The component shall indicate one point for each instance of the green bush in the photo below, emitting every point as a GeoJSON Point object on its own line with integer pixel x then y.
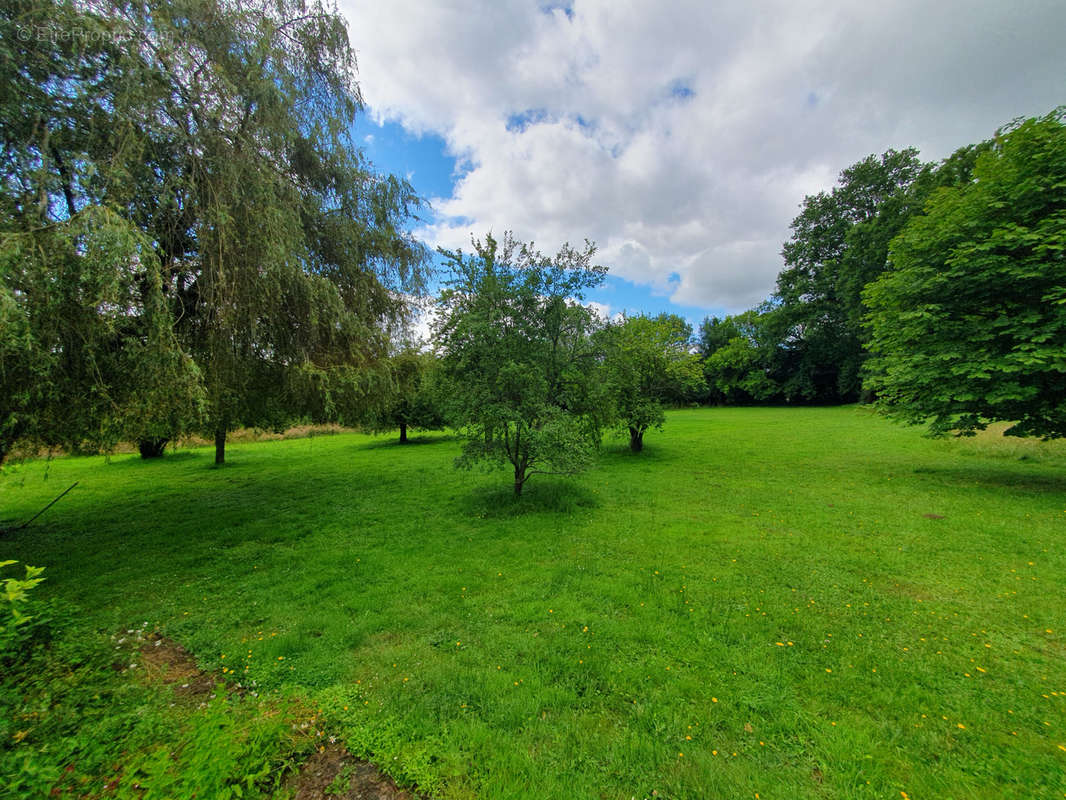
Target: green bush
{"type": "Point", "coordinates": [17, 622]}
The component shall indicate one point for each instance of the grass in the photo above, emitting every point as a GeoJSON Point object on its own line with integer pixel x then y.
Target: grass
{"type": "Point", "coordinates": [788, 603]}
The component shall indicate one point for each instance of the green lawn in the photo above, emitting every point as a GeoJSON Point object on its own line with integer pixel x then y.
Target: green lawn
{"type": "Point", "coordinates": [782, 603]}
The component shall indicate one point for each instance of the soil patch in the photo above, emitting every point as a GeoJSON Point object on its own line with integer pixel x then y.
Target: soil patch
{"type": "Point", "coordinates": [335, 774]}
{"type": "Point", "coordinates": [165, 661]}
{"type": "Point", "coordinates": [332, 773]}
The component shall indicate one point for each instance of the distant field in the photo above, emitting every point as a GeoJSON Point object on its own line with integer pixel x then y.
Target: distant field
{"type": "Point", "coordinates": [781, 603]}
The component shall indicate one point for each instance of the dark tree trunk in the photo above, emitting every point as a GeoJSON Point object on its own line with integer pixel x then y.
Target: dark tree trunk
{"type": "Point", "coordinates": [220, 446]}
{"type": "Point", "coordinates": [68, 192]}
{"type": "Point", "coordinates": [152, 448]}
{"type": "Point", "coordinates": [403, 433]}
{"type": "Point", "coordinates": [519, 480]}
{"type": "Point", "coordinates": [636, 440]}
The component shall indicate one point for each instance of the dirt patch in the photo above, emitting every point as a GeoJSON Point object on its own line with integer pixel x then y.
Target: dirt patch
{"type": "Point", "coordinates": [165, 661]}
{"type": "Point", "coordinates": [335, 774]}
{"type": "Point", "coordinates": [330, 774]}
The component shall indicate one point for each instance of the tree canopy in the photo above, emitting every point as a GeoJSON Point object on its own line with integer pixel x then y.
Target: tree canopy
{"type": "Point", "coordinates": [416, 401]}
{"type": "Point", "coordinates": [647, 364]}
{"type": "Point", "coordinates": [839, 244]}
{"type": "Point", "coordinates": [807, 343]}
{"type": "Point", "coordinates": [185, 178]}
{"type": "Point", "coordinates": [968, 326]}
{"type": "Point", "coordinates": [516, 350]}
{"type": "Point", "coordinates": [744, 359]}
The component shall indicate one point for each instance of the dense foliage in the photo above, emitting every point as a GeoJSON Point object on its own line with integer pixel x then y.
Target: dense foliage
{"type": "Point", "coordinates": [517, 354]}
{"type": "Point", "coordinates": [839, 243]}
{"type": "Point", "coordinates": [807, 343]}
{"type": "Point", "coordinates": [969, 324]}
{"type": "Point", "coordinates": [646, 366]}
{"type": "Point", "coordinates": [417, 400]}
{"type": "Point", "coordinates": [188, 235]}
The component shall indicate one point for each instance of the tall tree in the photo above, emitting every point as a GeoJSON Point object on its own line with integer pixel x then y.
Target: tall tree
{"type": "Point", "coordinates": [223, 137]}
{"type": "Point", "coordinates": [516, 350]}
{"type": "Point", "coordinates": [839, 244]}
{"type": "Point", "coordinates": [714, 334]}
{"type": "Point", "coordinates": [968, 326]}
{"type": "Point", "coordinates": [751, 364]}
{"type": "Point", "coordinates": [298, 248]}
{"type": "Point", "coordinates": [88, 351]}
{"type": "Point", "coordinates": [417, 400]}
{"type": "Point", "coordinates": [647, 363]}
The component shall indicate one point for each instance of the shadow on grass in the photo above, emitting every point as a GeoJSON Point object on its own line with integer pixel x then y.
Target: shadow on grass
{"type": "Point", "coordinates": [618, 453]}
{"type": "Point", "coordinates": [412, 441]}
{"type": "Point", "coordinates": [538, 497]}
{"type": "Point", "coordinates": [128, 460]}
{"type": "Point", "coordinates": [996, 477]}
{"type": "Point", "coordinates": [203, 511]}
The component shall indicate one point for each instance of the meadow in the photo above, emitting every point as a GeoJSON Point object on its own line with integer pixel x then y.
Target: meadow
{"type": "Point", "coordinates": [765, 603]}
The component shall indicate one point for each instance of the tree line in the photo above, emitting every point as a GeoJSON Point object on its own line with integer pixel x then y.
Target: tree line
{"type": "Point", "coordinates": [934, 289]}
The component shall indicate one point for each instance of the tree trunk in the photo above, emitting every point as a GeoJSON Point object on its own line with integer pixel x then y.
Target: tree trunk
{"type": "Point", "coordinates": [220, 446]}
{"type": "Point", "coordinates": [403, 433]}
{"type": "Point", "coordinates": [519, 479]}
{"type": "Point", "coordinates": [636, 440]}
{"type": "Point", "coordinates": [152, 448]}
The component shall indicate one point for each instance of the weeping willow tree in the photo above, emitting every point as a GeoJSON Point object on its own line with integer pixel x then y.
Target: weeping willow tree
{"type": "Point", "coordinates": [88, 352]}
{"type": "Point", "coordinates": [266, 260]}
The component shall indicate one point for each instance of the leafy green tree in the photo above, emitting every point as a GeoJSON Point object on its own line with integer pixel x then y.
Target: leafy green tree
{"type": "Point", "coordinates": [746, 368]}
{"type": "Point", "coordinates": [714, 334]}
{"type": "Point", "coordinates": [417, 401]}
{"type": "Point", "coordinates": [220, 135]}
{"type": "Point", "coordinates": [839, 244]}
{"type": "Point", "coordinates": [89, 356]}
{"type": "Point", "coordinates": [87, 351]}
{"type": "Point", "coordinates": [647, 364]}
{"type": "Point", "coordinates": [297, 249]}
{"type": "Point", "coordinates": [968, 325]}
{"type": "Point", "coordinates": [518, 357]}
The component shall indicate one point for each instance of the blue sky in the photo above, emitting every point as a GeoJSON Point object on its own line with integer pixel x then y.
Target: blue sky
{"type": "Point", "coordinates": [681, 137]}
{"type": "Point", "coordinates": [422, 159]}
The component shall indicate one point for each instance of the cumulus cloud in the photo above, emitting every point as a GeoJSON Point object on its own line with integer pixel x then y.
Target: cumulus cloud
{"type": "Point", "coordinates": [602, 311]}
{"type": "Point", "coordinates": [682, 137]}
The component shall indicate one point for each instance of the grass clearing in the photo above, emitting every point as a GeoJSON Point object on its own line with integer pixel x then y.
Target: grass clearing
{"type": "Point", "coordinates": [790, 602]}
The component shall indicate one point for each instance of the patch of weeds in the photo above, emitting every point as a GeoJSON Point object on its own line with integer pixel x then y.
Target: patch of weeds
{"type": "Point", "coordinates": [77, 719]}
{"type": "Point", "coordinates": [230, 747]}
{"type": "Point", "coordinates": [340, 784]}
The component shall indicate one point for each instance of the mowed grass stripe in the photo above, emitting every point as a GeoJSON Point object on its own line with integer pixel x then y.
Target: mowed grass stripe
{"type": "Point", "coordinates": [794, 602]}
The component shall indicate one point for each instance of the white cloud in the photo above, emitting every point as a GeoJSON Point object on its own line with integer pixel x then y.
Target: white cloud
{"type": "Point", "coordinates": [682, 137]}
{"type": "Point", "coordinates": [601, 310]}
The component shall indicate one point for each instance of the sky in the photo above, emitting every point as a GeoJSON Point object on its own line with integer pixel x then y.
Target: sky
{"type": "Point", "coordinates": [680, 137]}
